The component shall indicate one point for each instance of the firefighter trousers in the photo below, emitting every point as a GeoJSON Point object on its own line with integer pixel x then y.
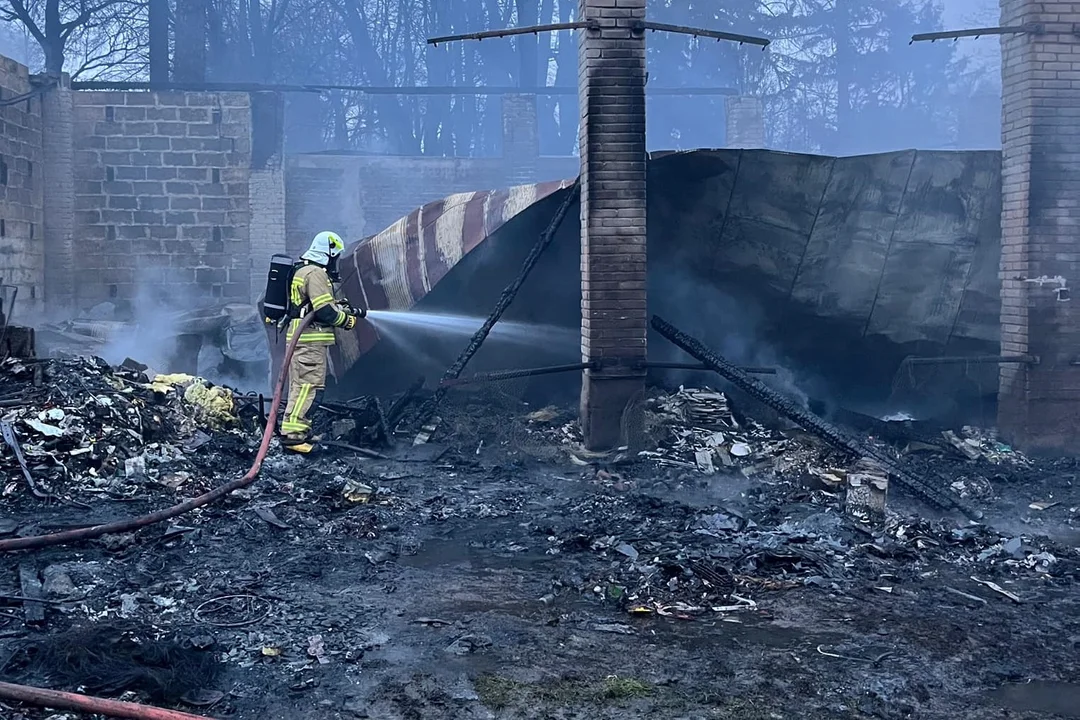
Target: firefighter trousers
{"type": "Point", "coordinates": [307, 376]}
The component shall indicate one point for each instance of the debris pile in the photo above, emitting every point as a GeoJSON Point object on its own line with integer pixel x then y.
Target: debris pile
{"type": "Point", "coordinates": [76, 426]}
{"type": "Point", "coordinates": [696, 428]}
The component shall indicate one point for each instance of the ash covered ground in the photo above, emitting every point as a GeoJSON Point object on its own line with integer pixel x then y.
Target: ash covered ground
{"type": "Point", "coordinates": [499, 571]}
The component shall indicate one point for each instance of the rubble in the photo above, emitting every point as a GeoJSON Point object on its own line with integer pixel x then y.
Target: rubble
{"type": "Point", "coordinates": [374, 564]}
{"type": "Point", "coordinates": [87, 428]}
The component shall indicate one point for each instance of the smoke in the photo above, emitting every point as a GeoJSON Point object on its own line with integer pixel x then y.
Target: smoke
{"type": "Point", "coordinates": [152, 336]}
{"type": "Point", "coordinates": [163, 326]}
{"type": "Point", "coordinates": [735, 327]}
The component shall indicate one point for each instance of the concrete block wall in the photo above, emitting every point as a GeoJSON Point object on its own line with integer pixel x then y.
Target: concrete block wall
{"type": "Point", "coordinates": [614, 316]}
{"type": "Point", "coordinates": [1039, 405]}
{"type": "Point", "coordinates": [21, 192]}
{"type": "Point", "coordinates": [745, 122]}
{"type": "Point", "coordinates": [360, 195]}
{"type": "Point", "coordinates": [162, 195]}
{"type": "Point", "coordinates": [521, 139]}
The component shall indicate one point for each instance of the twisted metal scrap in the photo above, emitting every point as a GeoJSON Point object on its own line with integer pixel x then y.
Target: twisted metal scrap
{"type": "Point", "coordinates": [834, 436]}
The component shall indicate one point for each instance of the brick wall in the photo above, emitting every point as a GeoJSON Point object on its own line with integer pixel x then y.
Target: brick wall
{"type": "Point", "coordinates": [21, 217]}
{"type": "Point", "coordinates": [162, 194]}
{"type": "Point", "coordinates": [1039, 406]}
{"type": "Point", "coordinates": [745, 122]}
{"type": "Point", "coordinates": [612, 146]}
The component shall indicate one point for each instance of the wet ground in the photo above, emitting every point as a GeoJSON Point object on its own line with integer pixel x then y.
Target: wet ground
{"type": "Point", "coordinates": [486, 584]}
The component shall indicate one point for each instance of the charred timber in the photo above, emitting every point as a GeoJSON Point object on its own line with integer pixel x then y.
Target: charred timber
{"type": "Point", "coordinates": [809, 421]}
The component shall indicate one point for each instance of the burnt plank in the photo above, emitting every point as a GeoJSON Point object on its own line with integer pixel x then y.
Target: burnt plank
{"type": "Point", "coordinates": [33, 612]}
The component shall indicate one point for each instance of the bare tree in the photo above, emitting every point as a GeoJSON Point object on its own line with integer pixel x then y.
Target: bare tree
{"type": "Point", "coordinates": [56, 23]}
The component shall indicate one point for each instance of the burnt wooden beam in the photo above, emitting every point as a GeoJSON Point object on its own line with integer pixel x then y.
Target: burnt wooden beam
{"type": "Point", "coordinates": [30, 587]}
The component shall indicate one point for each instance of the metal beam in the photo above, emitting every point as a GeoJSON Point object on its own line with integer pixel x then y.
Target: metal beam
{"type": "Point", "coordinates": [639, 26]}
{"type": "Point", "coordinates": [701, 32]}
{"type": "Point", "coordinates": [1030, 28]}
{"type": "Point", "coordinates": [548, 90]}
{"type": "Point", "coordinates": [508, 32]}
{"type": "Point", "coordinates": [972, 360]}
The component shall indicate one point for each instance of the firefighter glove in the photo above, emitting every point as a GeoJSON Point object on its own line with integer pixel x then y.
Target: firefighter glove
{"type": "Point", "coordinates": [350, 322]}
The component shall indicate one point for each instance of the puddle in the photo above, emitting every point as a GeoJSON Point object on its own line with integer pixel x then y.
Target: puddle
{"type": "Point", "coordinates": [472, 555]}
{"type": "Point", "coordinates": [1053, 698]}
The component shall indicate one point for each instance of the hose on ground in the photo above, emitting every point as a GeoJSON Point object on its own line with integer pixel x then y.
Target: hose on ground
{"type": "Point", "coordinates": [129, 524]}
{"type": "Point", "coordinates": [84, 703]}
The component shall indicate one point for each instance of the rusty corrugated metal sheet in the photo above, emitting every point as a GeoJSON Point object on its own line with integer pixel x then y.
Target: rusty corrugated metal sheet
{"type": "Point", "coordinates": [395, 268]}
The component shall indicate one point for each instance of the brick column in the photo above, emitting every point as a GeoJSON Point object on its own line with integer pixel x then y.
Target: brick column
{"type": "Point", "coordinates": [611, 82]}
{"type": "Point", "coordinates": [521, 143]}
{"type": "Point", "coordinates": [57, 135]}
{"type": "Point", "coordinates": [1039, 406]}
{"type": "Point", "coordinates": [745, 122]}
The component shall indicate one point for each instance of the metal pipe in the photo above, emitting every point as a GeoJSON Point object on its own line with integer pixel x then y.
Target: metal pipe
{"type": "Point", "coordinates": [1032, 28]}
{"type": "Point", "coordinates": [512, 374]}
{"type": "Point", "coordinates": [553, 369]}
{"type": "Point", "coordinates": [751, 370]}
{"type": "Point", "coordinates": [545, 90]}
{"type": "Point", "coordinates": [972, 360]}
{"type": "Point", "coordinates": [508, 32]}
{"type": "Point", "coordinates": [704, 32]}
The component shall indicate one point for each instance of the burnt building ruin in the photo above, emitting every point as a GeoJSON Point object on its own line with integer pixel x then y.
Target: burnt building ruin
{"type": "Point", "coordinates": [97, 186]}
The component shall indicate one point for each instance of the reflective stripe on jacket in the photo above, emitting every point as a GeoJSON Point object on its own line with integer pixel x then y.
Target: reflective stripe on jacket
{"type": "Point", "coordinates": [311, 291]}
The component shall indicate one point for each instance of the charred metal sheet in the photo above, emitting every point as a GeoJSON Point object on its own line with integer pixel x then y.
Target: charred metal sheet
{"type": "Point", "coordinates": [397, 267]}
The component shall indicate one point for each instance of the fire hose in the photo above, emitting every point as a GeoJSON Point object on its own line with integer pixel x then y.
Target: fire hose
{"type": "Point", "coordinates": [84, 703]}
{"type": "Point", "coordinates": [120, 526]}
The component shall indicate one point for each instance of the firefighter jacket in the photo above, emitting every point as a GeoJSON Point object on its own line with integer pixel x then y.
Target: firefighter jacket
{"type": "Point", "coordinates": [311, 291]}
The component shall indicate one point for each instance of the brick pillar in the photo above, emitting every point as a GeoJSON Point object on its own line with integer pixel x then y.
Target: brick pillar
{"type": "Point", "coordinates": [521, 143]}
{"type": "Point", "coordinates": [745, 122]}
{"type": "Point", "coordinates": [1039, 406]}
{"type": "Point", "coordinates": [57, 135]}
{"type": "Point", "coordinates": [611, 82]}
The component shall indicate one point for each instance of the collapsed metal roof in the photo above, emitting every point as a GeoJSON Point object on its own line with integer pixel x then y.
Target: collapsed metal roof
{"type": "Point", "coordinates": [899, 245]}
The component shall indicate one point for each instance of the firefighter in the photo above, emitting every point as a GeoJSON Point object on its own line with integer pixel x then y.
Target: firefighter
{"type": "Point", "coordinates": [311, 290]}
